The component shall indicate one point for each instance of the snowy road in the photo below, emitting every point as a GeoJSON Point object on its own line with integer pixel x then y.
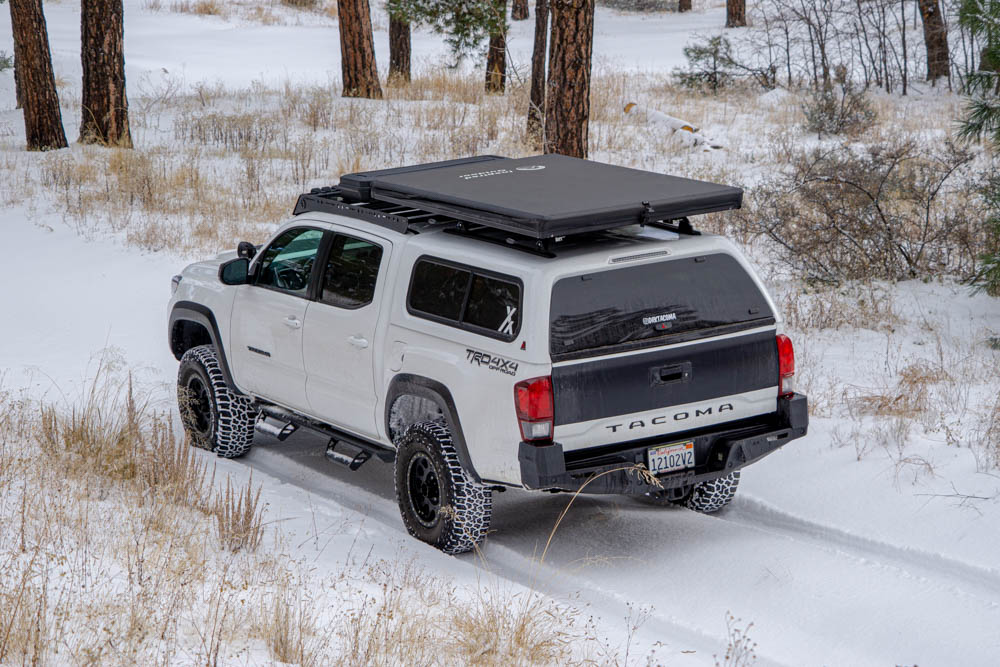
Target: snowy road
{"type": "Point", "coordinates": [817, 595]}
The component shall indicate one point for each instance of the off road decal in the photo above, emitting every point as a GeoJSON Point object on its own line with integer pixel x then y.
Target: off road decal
{"type": "Point", "coordinates": [492, 362]}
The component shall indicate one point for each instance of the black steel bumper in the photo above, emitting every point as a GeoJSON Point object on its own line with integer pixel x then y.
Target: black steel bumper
{"type": "Point", "coordinates": [719, 451]}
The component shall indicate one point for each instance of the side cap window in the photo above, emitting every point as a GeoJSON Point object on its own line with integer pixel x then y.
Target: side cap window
{"type": "Point", "coordinates": [466, 298]}
{"type": "Point", "coordinates": [287, 263]}
{"type": "Point", "coordinates": [351, 272]}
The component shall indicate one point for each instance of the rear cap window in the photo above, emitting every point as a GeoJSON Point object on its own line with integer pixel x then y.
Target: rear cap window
{"type": "Point", "coordinates": [653, 304]}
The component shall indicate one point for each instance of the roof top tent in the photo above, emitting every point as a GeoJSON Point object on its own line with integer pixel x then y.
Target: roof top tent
{"type": "Point", "coordinates": [541, 198]}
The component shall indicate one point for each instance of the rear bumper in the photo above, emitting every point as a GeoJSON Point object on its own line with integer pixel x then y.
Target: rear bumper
{"type": "Point", "coordinates": [718, 451]}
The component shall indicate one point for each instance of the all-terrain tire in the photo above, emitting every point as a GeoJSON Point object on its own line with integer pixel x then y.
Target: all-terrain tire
{"type": "Point", "coordinates": [215, 417]}
{"type": "Point", "coordinates": [439, 502]}
{"type": "Point", "coordinates": [713, 495]}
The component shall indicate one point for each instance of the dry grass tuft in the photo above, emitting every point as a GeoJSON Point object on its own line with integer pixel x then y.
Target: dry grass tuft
{"type": "Point", "coordinates": [497, 628]}
{"type": "Point", "coordinates": [113, 434]}
{"type": "Point", "coordinates": [289, 624]}
{"type": "Point", "coordinates": [239, 517]}
{"type": "Point", "coordinates": [857, 305]}
{"type": "Point", "coordinates": [198, 7]}
{"type": "Point", "coordinates": [741, 651]}
{"type": "Point", "coordinates": [908, 397]}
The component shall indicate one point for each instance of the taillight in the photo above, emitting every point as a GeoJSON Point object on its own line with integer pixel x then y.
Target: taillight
{"type": "Point", "coordinates": [533, 403]}
{"type": "Point", "coordinates": [786, 366]}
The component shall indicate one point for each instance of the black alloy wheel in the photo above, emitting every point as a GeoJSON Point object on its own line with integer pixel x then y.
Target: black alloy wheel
{"type": "Point", "coordinates": [199, 407]}
{"type": "Point", "coordinates": [423, 489]}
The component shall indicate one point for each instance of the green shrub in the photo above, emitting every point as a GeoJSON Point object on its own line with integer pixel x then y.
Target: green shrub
{"type": "Point", "coordinates": [710, 65]}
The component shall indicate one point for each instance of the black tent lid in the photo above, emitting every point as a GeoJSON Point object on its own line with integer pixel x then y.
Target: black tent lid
{"type": "Point", "coordinates": [544, 196]}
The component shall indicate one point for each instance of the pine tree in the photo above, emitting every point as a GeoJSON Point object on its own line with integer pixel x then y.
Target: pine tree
{"type": "Point", "coordinates": [982, 112]}
{"type": "Point", "coordinates": [736, 13]}
{"type": "Point", "coordinates": [982, 119]}
{"type": "Point", "coordinates": [567, 99]}
{"type": "Point", "coordinates": [102, 54]}
{"type": "Point", "coordinates": [33, 60]}
{"type": "Point", "coordinates": [536, 99]}
{"type": "Point", "coordinates": [466, 24]}
{"type": "Point", "coordinates": [357, 50]}
{"type": "Point", "coordinates": [935, 40]}
{"type": "Point", "coordinates": [402, 17]}
{"type": "Point", "coordinates": [496, 52]}
{"type": "Point", "coordinates": [399, 49]}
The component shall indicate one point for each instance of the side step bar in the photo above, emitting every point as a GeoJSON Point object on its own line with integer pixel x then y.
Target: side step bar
{"type": "Point", "coordinates": [276, 428]}
{"type": "Point", "coordinates": [343, 448]}
{"type": "Point", "coordinates": [344, 453]}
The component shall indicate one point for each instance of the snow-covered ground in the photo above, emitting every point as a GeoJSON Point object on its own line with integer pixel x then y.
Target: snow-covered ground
{"type": "Point", "coordinates": [866, 543]}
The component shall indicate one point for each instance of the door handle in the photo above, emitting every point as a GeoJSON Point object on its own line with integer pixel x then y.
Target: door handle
{"type": "Point", "coordinates": [293, 322]}
{"type": "Point", "coordinates": [358, 341]}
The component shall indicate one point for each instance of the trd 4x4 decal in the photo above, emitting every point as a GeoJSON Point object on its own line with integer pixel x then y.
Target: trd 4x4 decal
{"type": "Point", "coordinates": [492, 362]}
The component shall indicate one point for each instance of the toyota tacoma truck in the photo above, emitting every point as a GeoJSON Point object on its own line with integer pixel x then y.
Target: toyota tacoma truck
{"type": "Point", "coordinates": [544, 323]}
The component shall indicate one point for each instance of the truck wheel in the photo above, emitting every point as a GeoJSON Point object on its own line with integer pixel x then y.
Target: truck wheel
{"type": "Point", "coordinates": [713, 495]}
{"type": "Point", "coordinates": [215, 417]}
{"type": "Point", "coordinates": [439, 503]}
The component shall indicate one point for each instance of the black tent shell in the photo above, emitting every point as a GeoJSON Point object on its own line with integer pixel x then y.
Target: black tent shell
{"type": "Point", "coordinates": [542, 197]}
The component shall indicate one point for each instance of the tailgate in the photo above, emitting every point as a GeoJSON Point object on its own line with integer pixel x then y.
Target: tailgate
{"type": "Point", "coordinates": [660, 348]}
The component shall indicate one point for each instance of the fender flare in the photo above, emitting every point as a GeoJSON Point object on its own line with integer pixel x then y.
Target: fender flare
{"type": "Point", "coordinates": [432, 390]}
{"type": "Point", "coordinates": [189, 311]}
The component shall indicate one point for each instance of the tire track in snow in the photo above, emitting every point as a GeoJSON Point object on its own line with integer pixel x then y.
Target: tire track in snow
{"type": "Point", "coordinates": [969, 579]}
{"type": "Point", "coordinates": [511, 554]}
{"type": "Point", "coordinates": [304, 466]}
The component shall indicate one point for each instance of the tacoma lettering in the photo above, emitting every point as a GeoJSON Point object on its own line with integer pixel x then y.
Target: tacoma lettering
{"type": "Point", "coordinates": [658, 420]}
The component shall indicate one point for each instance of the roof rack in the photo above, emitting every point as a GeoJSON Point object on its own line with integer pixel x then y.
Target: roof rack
{"type": "Point", "coordinates": [530, 203]}
{"type": "Point", "coordinates": [401, 219]}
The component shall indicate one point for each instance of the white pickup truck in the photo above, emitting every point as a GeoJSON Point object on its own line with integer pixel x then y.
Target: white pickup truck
{"type": "Point", "coordinates": [545, 323]}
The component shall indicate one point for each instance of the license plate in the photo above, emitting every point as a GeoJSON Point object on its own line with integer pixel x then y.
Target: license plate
{"type": "Point", "coordinates": [668, 458]}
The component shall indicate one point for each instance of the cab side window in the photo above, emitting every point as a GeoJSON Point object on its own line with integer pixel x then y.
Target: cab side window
{"type": "Point", "coordinates": [287, 263]}
{"type": "Point", "coordinates": [351, 272]}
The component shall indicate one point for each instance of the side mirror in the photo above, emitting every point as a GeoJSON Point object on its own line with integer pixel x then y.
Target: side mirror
{"type": "Point", "coordinates": [235, 271]}
{"type": "Point", "coordinates": [246, 250]}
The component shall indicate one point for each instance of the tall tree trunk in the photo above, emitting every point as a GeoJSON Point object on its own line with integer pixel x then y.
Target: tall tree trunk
{"type": "Point", "coordinates": [567, 99]}
{"type": "Point", "coordinates": [42, 117]}
{"type": "Point", "coordinates": [496, 54]}
{"type": "Point", "coordinates": [936, 40]}
{"type": "Point", "coordinates": [357, 50]}
{"type": "Point", "coordinates": [399, 49]}
{"type": "Point", "coordinates": [519, 10]}
{"type": "Point", "coordinates": [684, 5]}
{"type": "Point", "coordinates": [536, 100]}
{"type": "Point", "coordinates": [736, 13]}
{"type": "Point", "coordinates": [104, 104]}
